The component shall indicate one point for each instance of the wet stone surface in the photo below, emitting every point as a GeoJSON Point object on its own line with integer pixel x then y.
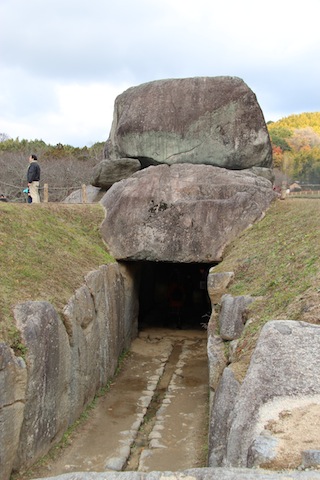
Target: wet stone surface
{"type": "Point", "coordinates": [155, 415]}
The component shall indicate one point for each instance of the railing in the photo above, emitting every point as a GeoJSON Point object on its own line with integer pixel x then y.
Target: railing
{"type": "Point", "coordinates": [307, 191]}
{"type": "Point", "coordinates": [83, 193]}
{"type": "Point", "coordinates": [45, 190]}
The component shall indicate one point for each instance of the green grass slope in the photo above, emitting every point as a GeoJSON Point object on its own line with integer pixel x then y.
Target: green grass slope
{"type": "Point", "coordinates": [47, 249]}
{"type": "Point", "coordinates": [277, 261]}
{"type": "Point", "coordinates": [45, 252]}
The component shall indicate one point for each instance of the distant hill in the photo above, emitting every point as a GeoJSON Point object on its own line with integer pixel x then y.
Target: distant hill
{"type": "Point", "coordinates": [296, 147]}
{"type": "Point", "coordinates": [298, 121]}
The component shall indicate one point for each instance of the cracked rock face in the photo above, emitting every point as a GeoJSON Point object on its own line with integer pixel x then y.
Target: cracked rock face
{"type": "Point", "coordinates": [203, 120]}
{"type": "Point", "coordinates": [181, 213]}
{"type": "Point", "coordinates": [275, 414]}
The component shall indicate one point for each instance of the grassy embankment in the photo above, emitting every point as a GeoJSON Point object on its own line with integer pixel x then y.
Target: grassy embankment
{"type": "Point", "coordinates": [277, 261]}
{"type": "Point", "coordinates": [45, 252]}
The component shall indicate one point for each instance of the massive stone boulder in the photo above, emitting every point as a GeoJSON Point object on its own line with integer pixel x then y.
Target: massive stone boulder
{"type": "Point", "coordinates": [182, 213]}
{"type": "Point", "coordinates": [274, 416]}
{"type": "Point", "coordinates": [205, 120]}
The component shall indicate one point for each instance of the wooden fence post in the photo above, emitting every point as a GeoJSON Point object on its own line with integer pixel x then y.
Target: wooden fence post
{"type": "Point", "coordinates": [283, 191]}
{"type": "Point", "coordinates": [45, 193]}
{"type": "Point", "coordinates": [84, 194]}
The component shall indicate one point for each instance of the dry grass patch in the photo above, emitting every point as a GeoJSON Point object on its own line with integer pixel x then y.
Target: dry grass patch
{"type": "Point", "coordinates": [277, 261]}
{"type": "Point", "coordinates": [45, 252]}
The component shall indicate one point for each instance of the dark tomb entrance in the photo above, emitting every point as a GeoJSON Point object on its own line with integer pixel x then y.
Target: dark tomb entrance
{"type": "Point", "coordinates": [174, 295]}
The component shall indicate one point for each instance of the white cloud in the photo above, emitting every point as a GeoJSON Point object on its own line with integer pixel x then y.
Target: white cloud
{"type": "Point", "coordinates": [64, 61]}
{"type": "Point", "coordinates": [87, 110]}
{"type": "Point", "coordinates": [82, 116]}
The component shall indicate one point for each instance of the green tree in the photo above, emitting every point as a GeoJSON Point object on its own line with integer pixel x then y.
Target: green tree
{"type": "Point", "coordinates": [279, 138]}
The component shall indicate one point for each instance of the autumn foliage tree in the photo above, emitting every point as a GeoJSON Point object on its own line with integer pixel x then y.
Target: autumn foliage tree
{"type": "Point", "coordinates": [296, 146]}
{"type": "Point", "coordinates": [277, 154]}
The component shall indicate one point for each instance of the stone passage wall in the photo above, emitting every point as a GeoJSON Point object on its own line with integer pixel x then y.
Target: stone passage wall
{"type": "Point", "coordinates": [269, 418]}
{"type": "Point", "coordinates": [68, 360]}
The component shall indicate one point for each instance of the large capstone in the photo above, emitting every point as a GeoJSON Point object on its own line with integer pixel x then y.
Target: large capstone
{"type": "Point", "coordinates": [182, 213]}
{"type": "Point", "coordinates": [203, 120]}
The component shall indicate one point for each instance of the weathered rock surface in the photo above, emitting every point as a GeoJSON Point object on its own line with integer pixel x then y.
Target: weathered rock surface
{"type": "Point", "coordinates": [232, 316]}
{"type": "Point", "coordinates": [204, 120]}
{"type": "Point", "coordinates": [194, 474]}
{"type": "Point", "coordinates": [217, 284]}
{"type": "Point", "coordinates": [48, 363]}
{"type": "Point", "coordinates": [217, 358]}
{"type": "Point", "coordinates": [311, 458]}
{"type": "Point", "coordinates": [183, 213]}
{"type": "Point", "coordinates": [108, 172]}
{"type": "Point", "coordinates": [263, 172]}
{"type": "Point", "coordinates": [13, 384]}
{"type": "Point", "coordinates": [67, 362]}
{"type": "Point", "coordinates": [282, 382]}
{"type": "Point", "coordinates": [224, 403]}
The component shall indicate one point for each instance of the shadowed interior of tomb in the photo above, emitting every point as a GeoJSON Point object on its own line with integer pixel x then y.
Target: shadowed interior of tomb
{"type": "Point", "coordinates": [174, 295]}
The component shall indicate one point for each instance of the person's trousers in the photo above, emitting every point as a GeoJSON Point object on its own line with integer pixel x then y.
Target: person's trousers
{"type": "Point", "coordinates": [34, 192]}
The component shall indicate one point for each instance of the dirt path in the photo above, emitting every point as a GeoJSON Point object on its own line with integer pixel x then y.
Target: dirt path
{"type": "Point", "coordinates": [155, 415]}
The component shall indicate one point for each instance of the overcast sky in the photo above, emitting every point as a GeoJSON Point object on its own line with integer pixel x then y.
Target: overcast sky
{"type": "Point", "coordinates": [63, 62]}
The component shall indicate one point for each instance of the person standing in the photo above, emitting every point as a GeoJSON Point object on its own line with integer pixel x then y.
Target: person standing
{"type": "Point", "coordinates": [33, 177]}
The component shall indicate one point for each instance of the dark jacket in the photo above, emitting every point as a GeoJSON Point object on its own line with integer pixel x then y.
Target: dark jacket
{"type": "Point", "coordinates": [33, 174]}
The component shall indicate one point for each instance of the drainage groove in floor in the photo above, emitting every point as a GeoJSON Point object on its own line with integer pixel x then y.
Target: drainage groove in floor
{"type": "Point", "coordinates": [142, 439]}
